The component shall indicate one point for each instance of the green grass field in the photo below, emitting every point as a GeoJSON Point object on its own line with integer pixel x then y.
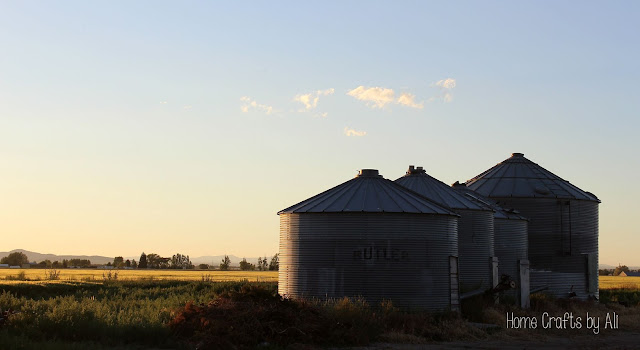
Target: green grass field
{"type": "Point", "coordinates": [14, 275]}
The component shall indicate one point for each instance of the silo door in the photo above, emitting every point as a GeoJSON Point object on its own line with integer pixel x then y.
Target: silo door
{"type": "Point", "coordinates": [455, 283]}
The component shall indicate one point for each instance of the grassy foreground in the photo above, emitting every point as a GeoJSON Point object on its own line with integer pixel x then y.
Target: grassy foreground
{"type": "Point", "coordinates": [153, 313]}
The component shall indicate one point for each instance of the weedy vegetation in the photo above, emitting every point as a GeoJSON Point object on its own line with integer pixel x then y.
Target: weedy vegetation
{"type": "Point", "coordinates": [114, 313]}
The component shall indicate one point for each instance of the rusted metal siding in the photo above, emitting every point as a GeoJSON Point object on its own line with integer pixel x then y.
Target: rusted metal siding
{"type": "Point", "coordinates": [476, 248]}
{"type": "Point", "coordinates": [404, 258]}
{"type": "Point", "coordinates": [561, 235]}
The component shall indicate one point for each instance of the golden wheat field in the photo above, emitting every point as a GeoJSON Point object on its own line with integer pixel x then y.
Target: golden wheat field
{"type": "Point", "coordinates": [611, 282]}
{"type": "Point", "coordinates": [9, 275]}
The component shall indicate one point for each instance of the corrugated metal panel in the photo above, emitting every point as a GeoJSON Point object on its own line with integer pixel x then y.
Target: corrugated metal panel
{"type": "Point", "coordinates": [511, 246]}
{"type": "Point", "coordinates": [510, 236]}
{"type": "Point", "coordinates": [368, 192]}
{"type": "Point", "coordinates": [379, 256]}
{"type": "Point", "coordinates": [476, 248]}
{"type": "Point", "coordinates": [475, 228]}
{"type": "Point", "coordinates": [417, 180]}
{"type": "Point", "coordinates": [517, 176]}
{"type": "Point", "coordinates": [563, 223]}
{"type": "Point", "coordinates": [561, 233]}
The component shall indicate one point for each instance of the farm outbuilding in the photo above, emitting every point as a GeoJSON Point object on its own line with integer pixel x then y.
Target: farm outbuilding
{"type": "Point", "coordinates": [370, 237]}
{"type": "Point", "coordinates": [563, 224]}
{"type": "Point", "coordinates": [510, 243]}
{"type": "Point", "coordinates": [475, 229]}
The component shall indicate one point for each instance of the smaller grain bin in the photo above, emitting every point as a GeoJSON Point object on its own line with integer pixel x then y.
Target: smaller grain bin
{"type": "Point", "coordinates": [510, 244]}
{"type": "Point", "coordinates": [475, 229]}
{"type": "Point", "coordinates": [370, 237]}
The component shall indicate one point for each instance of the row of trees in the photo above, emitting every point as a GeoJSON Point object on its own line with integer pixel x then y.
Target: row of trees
{"type": "Point", "coordinates": [261, 264]}
{"type": "Point", "coordinates": [20, 258]}
{"type": "Point", "coordinates": [155, 261]}
{"type": "Point", "coordinates": [147, 261]}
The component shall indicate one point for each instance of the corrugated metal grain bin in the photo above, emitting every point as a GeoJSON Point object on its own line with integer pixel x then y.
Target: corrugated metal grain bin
{"type": "Point", "coordinates": [372, 238]}
{"type": "Point", "coordinates": [475, 228]}
{"type": "Point", "coordinates": [510, 240]}
{"type": "Point", "coordinates": [563, 224]}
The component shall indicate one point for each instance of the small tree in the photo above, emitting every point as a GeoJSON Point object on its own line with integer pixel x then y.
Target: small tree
{"type": "Point", "coordinates": [262, 265]}
{"type": "Point", "coordinates": [65, 263]}
{"type": "Point", "coordinates": [134, 264]}
{"type": "Point", "coordinates": [56, 264]}
{"type": "Point", "coordinates": [274, 265]}
{"type": "Point", "coordinates": [127, 263]}
{"type": "Point", "coordinates": [203, 266]}
{"type": "Point", "coordinates": [226, 263]}
{"type": "Point", "coordinates": [118, 261]}
{"type": "Point", "coordinates": [15, 259]}
{"type": "Point", "coordinates": [246, 266]}
{"type": "Point", "coordinates": [143, 261]}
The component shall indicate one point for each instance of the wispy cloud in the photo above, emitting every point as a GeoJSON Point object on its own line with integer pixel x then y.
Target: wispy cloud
{"type": "Point", "coordinates": [376, 97]}
{"type": "Point", "coordinates": [187, 107]}
{"type": "Point", "coordinates": [448, 83]}
{"type": "Point", "coordinates": [310, 100]}
{"type": "Point", "coordinates": [407, 99]}
{"type": "Point", "coordinates": [250, 104]}
{"type": "Point", "coordinates": [445, 85]}
{"type": "Point", "coordinates": [352, 132]}
{"type": "Point", "coordinates": [163, 102]}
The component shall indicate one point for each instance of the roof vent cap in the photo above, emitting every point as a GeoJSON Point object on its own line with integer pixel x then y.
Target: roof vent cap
{"type": "Point", "coordinates": [415, 170]}
{"type": "Point", "coordinates": [369, 173]}
{"type": "Point", "coordinates": [517, 154]}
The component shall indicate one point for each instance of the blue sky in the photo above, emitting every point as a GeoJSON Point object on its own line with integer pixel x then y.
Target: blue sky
{"type": "Point", "coordinates": [129, 126]}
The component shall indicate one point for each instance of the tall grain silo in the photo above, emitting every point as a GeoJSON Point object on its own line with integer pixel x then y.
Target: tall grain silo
{"type": "Point", "coordinates": [563, 224]}
{"type": "Point", "coordinates": [372, 238]}
{"type": "Point", "coordinates": [475, 229]}
{"type": "Point", "coordinates": [510, 244]}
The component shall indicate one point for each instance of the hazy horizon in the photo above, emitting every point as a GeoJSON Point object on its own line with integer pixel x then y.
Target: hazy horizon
{"type": "Point", "coordinates": [162, 127]}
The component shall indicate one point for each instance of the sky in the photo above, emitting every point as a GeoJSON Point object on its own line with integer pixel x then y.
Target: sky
{"type": "Point", "coordinates": [170, 127]}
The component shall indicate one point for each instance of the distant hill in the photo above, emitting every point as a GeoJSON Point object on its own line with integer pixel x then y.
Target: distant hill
{"type": "Point", "coordinates": [97, 259]}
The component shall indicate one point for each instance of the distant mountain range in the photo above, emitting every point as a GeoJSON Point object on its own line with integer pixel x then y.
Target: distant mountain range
{"type": "Point", "coordinates": [97, 259]}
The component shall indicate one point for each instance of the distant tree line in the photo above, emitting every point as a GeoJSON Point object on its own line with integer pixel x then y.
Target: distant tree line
{"type": "Point", "coordinates": [260, 265]}
{"type": "Point", "coordinates": [147, 261]}
{"type": "Point", "coordinates": [615, 272]}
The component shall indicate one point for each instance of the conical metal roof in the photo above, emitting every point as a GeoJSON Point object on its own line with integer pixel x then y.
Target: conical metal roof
{"type": "Point", "coordinates": [417, 180]}
{"type": "Point", "coordinates": [368, 192]}
{"type": "Point", "coordinates": [499, 212]}
{"type": "Point", "coordinates": [519, 177]}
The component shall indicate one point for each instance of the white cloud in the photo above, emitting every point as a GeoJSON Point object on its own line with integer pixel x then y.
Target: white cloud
{"type": "Point", "coordinates": [448, 83]}
{"type": "Point", "coordinates": [407, 99]}
{"type": "Point", "coordinates": [322, 115]}
{"type": "Point", "coordinates": [310, 100]}
{"type": "Point", "coordinates": [376, 97]}
{"type": "Point", "coordinates": [250, 104]}
{"type": "Point", "coordinates": [445, 85]}
{"type": "Point", "coordinates": [163, 102]}
{"type": "Point", "coordinates": [351, 132]}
